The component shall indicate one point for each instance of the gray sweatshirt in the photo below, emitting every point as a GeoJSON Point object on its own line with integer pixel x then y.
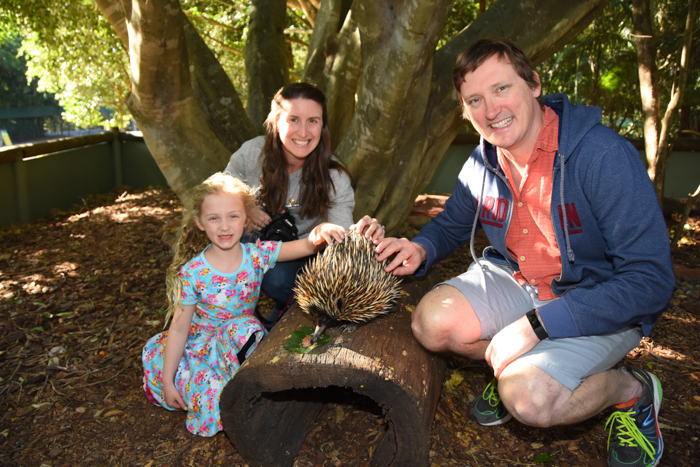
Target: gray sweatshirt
{"type": "Point", "coordinates": [246, 164]}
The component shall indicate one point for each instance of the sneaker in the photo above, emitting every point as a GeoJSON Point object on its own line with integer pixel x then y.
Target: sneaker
{"type": "Point", "coordinates": [637, 440]}
{"type": "Point", "coordinates": [487, 409]}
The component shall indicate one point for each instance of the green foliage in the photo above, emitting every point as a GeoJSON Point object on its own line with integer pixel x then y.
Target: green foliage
{"type": "Point", "coordinates": [463, 12]}
{"type": "Point", "coordinates": [74, 53]}
{"type": "Point", "coordinates": [544, 458]}
{"type": "Point", "coordinates": [599, 67]}
{"type": "Point", "coordinates": [15, 91]}
{"type": "Point", "coordinates": [295, 341]}
{"type": "Point", "coordinates": [224, 26]}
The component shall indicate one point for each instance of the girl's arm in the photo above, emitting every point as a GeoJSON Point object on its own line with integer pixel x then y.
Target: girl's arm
{"type": "Point", "coordinates": [322, 233]}
{"type": "Point", "coordinates": [174, 348]}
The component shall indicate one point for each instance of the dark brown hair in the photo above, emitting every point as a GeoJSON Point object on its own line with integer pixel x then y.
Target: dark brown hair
{"type": "Point", "coordinates": [315, 177]}
{"type": "Point", "coordinates": [507, 50]}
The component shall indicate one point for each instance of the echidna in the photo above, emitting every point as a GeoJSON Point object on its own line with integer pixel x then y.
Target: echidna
{"type": "Point", "coordinates": [346, 283]}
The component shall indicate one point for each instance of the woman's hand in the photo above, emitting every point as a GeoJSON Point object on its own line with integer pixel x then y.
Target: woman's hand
{"type": "Point", "coordinates": [259, 219]}
{"type": "Point", "coordinates": [172, 396]}
{"type": "Point", "coordinates": [327, 232]}
{"type": "Point", "coordinates": [370, 227]}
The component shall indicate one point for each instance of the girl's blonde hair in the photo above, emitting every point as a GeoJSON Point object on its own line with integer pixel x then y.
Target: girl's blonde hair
{"type": "Point", "coordinates": [191, 240]}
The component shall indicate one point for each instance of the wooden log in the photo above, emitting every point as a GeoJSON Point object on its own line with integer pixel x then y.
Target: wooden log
{"type": "Point", "coordinates": [270, 406]}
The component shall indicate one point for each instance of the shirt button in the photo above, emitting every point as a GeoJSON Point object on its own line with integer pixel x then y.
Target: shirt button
{"type": "Point", "coordinates": [522, 258]}
{"type": "Point", "coordinates": [524, 231]}
{"type": "Point", "coordinates": [532, 281]}
{"type": "Point", "coordinates": [520, 205]}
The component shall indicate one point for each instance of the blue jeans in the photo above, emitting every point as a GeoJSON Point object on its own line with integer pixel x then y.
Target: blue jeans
{"type": "Point", "coordinates": [278, 282]}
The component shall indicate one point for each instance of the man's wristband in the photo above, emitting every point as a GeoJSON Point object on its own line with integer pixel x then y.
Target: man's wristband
{"type": "Point", "coordinates": [536, 324]}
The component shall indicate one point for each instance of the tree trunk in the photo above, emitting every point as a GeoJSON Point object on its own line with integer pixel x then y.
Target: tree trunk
{"type": "Point", "coordinates": [215, 93]}
{"type": "Point", "coordinates": [646, 57]}
{"type": "Point", "coordinates": [392, 109]}
{"type": "Point", "coordinates": [402, 126]}
{"type": "Point", "coordinates": [265, 57]}
{"type": "Point", "coordinates": [162, 100]}
{"type": "Point", "coordinates": [657, 164]}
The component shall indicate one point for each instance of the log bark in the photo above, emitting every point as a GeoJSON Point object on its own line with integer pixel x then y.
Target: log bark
{"type": "Point", "coordinates": [270, 406]}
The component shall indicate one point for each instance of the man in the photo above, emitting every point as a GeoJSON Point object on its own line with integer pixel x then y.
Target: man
{"type": "Point", "coordinates": [578, 271]}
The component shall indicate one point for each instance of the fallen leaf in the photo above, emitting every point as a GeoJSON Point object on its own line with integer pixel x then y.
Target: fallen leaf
{"type": "Point", "coordinates": [668, 427]}
{"type": "Point", "coordinates": [339, 414]}
{"type": "Point", "coordinates": [543, 458]}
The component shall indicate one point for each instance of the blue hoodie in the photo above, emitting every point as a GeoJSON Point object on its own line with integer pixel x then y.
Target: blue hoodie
{"type": "Point", "coordinates": [616, 258]}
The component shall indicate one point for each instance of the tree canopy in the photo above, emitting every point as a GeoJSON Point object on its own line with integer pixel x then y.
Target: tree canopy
{"type": "Point", "coordinates": [198, 75]}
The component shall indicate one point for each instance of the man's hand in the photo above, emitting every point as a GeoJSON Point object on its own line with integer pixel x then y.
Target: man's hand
{"type": "Point", "coordinates": [511, 342]}
{"type": "Point", "coordinates": [409, 256]}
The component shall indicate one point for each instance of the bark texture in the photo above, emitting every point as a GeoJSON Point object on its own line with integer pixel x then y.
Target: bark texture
{"type": "Point", "coordinates": [393, 160]}
{"type": "Point", "coordinates": [265, 57]}
{"type": "Point", "coordinates": [392, 110]}
{"type": "Point", "coordinates": [215, 93]}
{"type": "Point", "coordinates": [162, 99]}
{"type": "Point", "coordinates": [657, 137]}
{"type": "Point", "coordinates": [646, 58]}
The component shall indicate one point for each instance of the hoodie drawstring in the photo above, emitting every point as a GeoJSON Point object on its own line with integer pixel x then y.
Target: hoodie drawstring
{"type": "Point", "coordinates": [476, 220]}
{"type": "Point", "coordinates": [569, 251]}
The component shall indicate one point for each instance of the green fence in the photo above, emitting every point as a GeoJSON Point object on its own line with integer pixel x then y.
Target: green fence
{"type": "Point", "coordinates": [36, 178]}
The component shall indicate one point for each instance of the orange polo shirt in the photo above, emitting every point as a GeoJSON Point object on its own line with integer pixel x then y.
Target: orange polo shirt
{"type": "Point", "coordinates": [531, 237]}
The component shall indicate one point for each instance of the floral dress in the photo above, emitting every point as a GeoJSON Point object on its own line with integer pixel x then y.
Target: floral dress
{"type": "Point", "coordinates": [221, 326]}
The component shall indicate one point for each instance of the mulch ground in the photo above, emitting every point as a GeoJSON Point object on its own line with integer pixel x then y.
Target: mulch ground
{"type": "Point", "coordinates": [82, 291]}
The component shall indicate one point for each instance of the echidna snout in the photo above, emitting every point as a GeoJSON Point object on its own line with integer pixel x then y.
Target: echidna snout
{"type": "Point", "coordinates": [346, 283]}
{"type": "Point", "coordinates": [322, 322]}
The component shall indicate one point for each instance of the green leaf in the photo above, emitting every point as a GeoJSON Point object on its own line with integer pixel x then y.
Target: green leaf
{"type": "Point", "coordinates": [46, 314]}
{"type": "Point", "coordinates": [38, 329]}
{"type": "Point", "coordinates": [294, 344]}
{"type": "Point", "coordinates": [543, 458]}
{"type": "Point", "coordinates": [65, 314]}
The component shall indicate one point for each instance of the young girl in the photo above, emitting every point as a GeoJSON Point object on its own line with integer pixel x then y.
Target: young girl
{"type": "Point", "coordinates": [211, 296]}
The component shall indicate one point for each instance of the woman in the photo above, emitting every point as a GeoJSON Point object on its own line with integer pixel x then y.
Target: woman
{"type": "Point", "coordinates": [294, 169]}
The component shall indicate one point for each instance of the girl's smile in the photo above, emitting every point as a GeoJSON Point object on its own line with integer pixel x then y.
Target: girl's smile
{"type": "Point", "coordinates": [223, 219]}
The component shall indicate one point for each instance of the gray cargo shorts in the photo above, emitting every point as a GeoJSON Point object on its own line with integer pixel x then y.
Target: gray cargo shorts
{"type": "Point", "coordinates": [498, 300]}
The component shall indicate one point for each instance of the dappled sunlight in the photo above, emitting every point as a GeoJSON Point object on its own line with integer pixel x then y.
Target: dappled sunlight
{"type": "Point", "coordinates": [127, 208]}
{"type": "Point", "coordinates": [65, 268]}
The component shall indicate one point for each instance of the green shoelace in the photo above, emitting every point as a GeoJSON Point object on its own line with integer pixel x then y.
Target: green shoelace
{"type": "Point", "coordinates": [628, 433]}
{"type": "Point", "coordinates": [491, 394]}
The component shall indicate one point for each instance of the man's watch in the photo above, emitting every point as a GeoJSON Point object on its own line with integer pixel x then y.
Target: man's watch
{"type": "Point", "coordinates": [536, 324]}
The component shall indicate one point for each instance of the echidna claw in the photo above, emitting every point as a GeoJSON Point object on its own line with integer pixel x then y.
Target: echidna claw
{"type": "Point", "coordinates": [349, 327]}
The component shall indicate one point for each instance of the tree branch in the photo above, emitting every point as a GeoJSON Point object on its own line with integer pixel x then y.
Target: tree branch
{"type": "Point", "coordinates": [674, 103]}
